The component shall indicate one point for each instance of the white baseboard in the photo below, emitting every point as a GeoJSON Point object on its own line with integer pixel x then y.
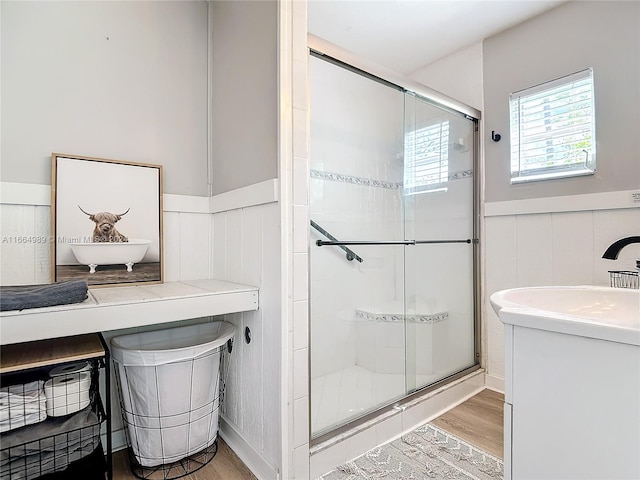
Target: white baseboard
{"type": "Point", "coordinates": [494, 383]}
{"type": "Point", "coordinates": [252, 459]}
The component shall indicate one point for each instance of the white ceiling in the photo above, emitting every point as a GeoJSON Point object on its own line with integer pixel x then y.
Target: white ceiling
{"type": "Point", "coordinates": [406, 35]}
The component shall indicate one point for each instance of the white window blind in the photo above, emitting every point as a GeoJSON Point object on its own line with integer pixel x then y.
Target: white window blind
{"type": "Point", "coordinates": [553, 129]}
{"type": "Point", "coordinates": [426, 166]}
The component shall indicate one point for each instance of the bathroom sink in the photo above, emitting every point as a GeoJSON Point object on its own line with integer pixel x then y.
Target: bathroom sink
{"type": "Point", "coordinates": [597, 312]}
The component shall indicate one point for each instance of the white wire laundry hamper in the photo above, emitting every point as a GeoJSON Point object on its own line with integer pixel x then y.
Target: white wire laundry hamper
{"type": "Point", "coordinates": [170, 385]}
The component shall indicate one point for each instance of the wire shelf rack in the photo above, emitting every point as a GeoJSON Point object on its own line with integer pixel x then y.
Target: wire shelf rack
{"type": "Point", "coordinates": [624, 279]}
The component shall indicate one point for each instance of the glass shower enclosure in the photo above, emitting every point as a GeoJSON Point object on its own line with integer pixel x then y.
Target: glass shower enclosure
{"type": "Point", "coordinates": [392, 247]}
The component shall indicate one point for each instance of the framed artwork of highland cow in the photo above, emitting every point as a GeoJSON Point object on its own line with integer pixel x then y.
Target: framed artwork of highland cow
{"type": "Point", "coordinates": [106, 221]}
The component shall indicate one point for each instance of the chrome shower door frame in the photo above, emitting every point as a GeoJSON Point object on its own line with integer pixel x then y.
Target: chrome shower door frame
{"type": "Point", "coordinates": [321, 49]}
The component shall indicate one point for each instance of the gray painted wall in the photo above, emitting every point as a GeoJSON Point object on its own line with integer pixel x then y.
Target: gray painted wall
{"type": "Point", "coordinates": [244, 88]}
{"type": "Point", "coordinates": [120, 80]}
{"type": "Point", "coordinates": [604, 35]}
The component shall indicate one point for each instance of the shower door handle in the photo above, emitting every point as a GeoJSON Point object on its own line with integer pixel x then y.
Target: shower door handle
{"type": "Point", "coordinates": [320, 243]}
{"type": "Point", "coordinates": [426, 242]}
{"type": "Point", "coordinates": [350, 254]}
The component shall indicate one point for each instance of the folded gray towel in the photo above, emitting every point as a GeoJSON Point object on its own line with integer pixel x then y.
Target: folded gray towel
{"type": "Point", "coordinates": [36, 296]}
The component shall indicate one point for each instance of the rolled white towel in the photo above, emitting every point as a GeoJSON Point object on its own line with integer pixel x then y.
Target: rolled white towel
{"type": "Point", "coordinates": [22, 405]}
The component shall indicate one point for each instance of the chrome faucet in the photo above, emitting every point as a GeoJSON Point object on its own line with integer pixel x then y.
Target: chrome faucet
{"type": "Point", "coordinates": [614, 249]}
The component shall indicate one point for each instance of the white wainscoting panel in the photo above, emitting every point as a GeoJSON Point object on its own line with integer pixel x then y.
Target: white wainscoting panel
{"type": "Point", "coordinates": [232, 406]}
{"type": "Point", "coordinates": [246, 245]}
{"type": "Point", "coordinates": [562, 248]}
{"type": "Point", "coordinates": [171, 237]}
{"type": "Point", "coordinates": [252, 245]}
{"type": "Point", "coordinates": [236, 244]}
{"type": "Point", "coordinates": [253, 368]}
{"type": "Point", "coordinates": [573, 248]}
{"type": "Point", "coordinates": [270, 294]}
{"type": "Point", "coordinates": [219, 245]}
{"type": "Point", "coordinates": [533, 249]}
{"type": "Point", "coordinates": [195, 245]}
{"type": "Point", "coordinates": [24, 244]}
{"type": "Point", "coordinates": [234, 258]}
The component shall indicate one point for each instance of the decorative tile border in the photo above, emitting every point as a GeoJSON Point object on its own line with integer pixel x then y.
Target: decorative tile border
{"type": "Point", "coordinates": [461, 175]}
{"type": "Point", "coordinates": [393, 318]}
{"type": "Point", "coordinates": [338, 177]}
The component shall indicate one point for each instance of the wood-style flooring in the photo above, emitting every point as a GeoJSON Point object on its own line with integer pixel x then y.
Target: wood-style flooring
{"type": "Point", "coordinates": [477, 421]}
{"type": "Point", "coordinates": [225, 466]}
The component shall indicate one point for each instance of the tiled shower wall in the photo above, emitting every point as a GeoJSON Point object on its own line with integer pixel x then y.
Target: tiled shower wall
{"type": "Point", "coordinates": [356, 193]}
{"type": "Point", "coordinates": [551, 249]}
{"type": "Point", "coordinates": [338, 286]}
{"type": "Point", "coordinates": [356, 170]}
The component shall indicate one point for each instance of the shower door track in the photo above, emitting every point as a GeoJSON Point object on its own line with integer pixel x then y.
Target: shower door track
{"type": "Point", "coordinates": [349, 429]}
{"type": "Point", "coordinates": [399, 83]}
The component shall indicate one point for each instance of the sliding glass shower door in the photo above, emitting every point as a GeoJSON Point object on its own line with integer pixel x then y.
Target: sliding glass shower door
{"type": "Point", "coordinates": [438, 199]}
{"type": "Point", "coordinates": [356, 173]}
{"type": "Point", "coordinates": [391, 206]}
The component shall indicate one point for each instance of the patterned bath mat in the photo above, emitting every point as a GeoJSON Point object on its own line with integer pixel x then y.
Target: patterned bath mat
{"type": "Point", "coordinates": [425, 453]}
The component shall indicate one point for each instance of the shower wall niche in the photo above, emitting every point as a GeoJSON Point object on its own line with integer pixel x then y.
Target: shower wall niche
{"type": "Point", "coordinates": [389, 314]}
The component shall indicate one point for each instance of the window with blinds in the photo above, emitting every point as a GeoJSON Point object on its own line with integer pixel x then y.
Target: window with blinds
{"type": "Point", "coordinates": [553, 129]}
{"type": "Point", "coordinates": [426, 164]}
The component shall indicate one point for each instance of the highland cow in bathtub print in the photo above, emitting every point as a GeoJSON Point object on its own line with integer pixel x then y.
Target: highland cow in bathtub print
{"type": "Point", "coordinates": [106, 221]}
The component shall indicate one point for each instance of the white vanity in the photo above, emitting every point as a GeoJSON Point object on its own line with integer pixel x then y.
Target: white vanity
{"type": "Point", "coordinates": [572, 382]}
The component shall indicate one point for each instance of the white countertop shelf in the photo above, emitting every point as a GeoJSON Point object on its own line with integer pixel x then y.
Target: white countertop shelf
{"type": "Point", "coordinates": [116, 308]}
